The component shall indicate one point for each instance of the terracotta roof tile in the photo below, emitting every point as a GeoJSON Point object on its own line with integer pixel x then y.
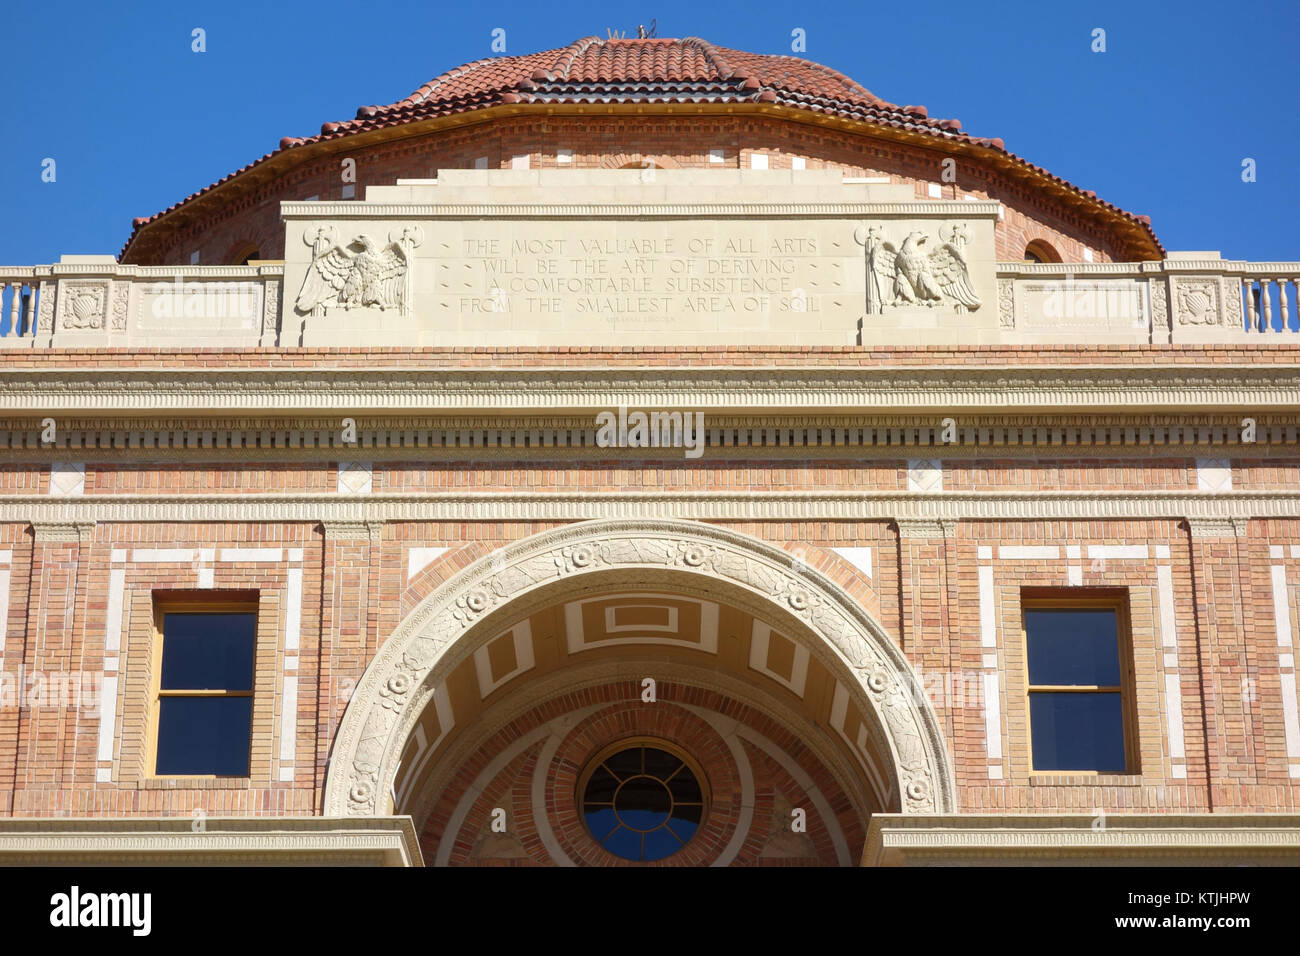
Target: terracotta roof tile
{"type": "Point", "coordinates": [628, 70]}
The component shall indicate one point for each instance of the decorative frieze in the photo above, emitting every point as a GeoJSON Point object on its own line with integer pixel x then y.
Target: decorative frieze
{"type": "Point", "coordinates": [346, 514]}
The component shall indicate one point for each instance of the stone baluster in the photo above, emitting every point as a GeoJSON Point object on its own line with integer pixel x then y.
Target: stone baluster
{"type": "Point", "coordinates": [1247, 287]}
{"type": "Point", "coordinates": [30, 327]}
{"type": "Point", "coordinates": [1265, 305]}
{"type": "Point", "coordinates": [17, 289]}
{"type": "Point", "coordinates": [1282, 304]}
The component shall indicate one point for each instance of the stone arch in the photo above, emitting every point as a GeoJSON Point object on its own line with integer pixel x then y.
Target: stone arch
{"type": "Point", "coordinates": [400, 680]}
{"type": "Point", "coordinates": [1040, 250]}
{"type": "Point", "coordinates": [241, 252]}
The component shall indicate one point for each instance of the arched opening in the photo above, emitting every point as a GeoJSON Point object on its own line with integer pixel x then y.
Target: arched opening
{"type": "Point", "coordinates": [486, 708]}
{"type": "Point", "coordinates": [1040, 251]}
{"type": "Point", "coordinates": [242, 253]}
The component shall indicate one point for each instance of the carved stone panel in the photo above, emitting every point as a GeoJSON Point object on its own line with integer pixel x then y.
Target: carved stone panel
{"type": "Point", "coordinates": [83, 305]}
{"type": "Point", "coordinates": [598, 257]}
{"type": "Point", "coordinates": [1197, 301]}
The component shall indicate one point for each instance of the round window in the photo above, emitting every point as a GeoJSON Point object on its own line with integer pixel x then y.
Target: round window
{"type": "Point", "coordinates": [641, 800]}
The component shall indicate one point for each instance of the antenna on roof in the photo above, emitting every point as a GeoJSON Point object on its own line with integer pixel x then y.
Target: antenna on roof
{"type": "Point", "coordinates": [644, 34]}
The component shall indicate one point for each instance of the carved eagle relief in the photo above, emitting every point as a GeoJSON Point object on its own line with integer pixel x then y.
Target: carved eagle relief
{"type": "Point", "coordinates": [912, 275]}
{"type": "Point", "coordinates": [365, 277]}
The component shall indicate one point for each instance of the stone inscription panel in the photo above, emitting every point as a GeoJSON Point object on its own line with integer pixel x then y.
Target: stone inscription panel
{"type": "Point", "coordinates": [646, 276]}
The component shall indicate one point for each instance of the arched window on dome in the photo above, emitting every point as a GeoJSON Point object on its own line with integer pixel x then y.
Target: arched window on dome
{"type": "Point", "coordinates": [1039, 251]}
{"type": "Point", "coordinates": [242, 253]}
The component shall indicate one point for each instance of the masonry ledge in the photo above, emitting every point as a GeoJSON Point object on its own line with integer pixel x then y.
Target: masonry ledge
{"type": "Point", "coordinates": [1203, 839]}
{"type": "Point", "coordinates": [223, 841]}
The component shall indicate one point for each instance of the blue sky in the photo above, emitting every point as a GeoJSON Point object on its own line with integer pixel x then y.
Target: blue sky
{"type": "Point", "coordinates": [1158, 124]}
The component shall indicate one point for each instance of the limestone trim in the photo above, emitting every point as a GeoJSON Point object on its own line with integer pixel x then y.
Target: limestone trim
{"type": "Point", "coordinates": [347, 515]}
{"type": "Point", "coordinates": [400, 679]}
{"type": "Point", "coordinates": [56, 530]}
{"type": "Point", "coordinates": [1207, 526]}
{"type": "Point", "coordinates": [116, 270]}
{"type": "Point", "coordinates": [894, 839]}
{"type": "Point", "coordinates": [972, 209]}
{"type": "Point", "coordinates": [376, 841]}
{"type": "Point", "coordinates": [223, 393]}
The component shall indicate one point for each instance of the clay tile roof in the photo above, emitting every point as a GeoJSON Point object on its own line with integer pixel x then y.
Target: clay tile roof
{"type": "Point", "coordinates": [643, 70]}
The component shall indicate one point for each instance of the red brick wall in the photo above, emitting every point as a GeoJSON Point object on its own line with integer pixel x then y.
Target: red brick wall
{"type": "Point", "coordinates": [924, 592]}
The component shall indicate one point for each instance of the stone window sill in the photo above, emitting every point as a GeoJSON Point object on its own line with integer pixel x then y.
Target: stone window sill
{"type": "Point", "coordinates": [196, 783]}
{"type": "Point", "coordinates": [1086, 780]}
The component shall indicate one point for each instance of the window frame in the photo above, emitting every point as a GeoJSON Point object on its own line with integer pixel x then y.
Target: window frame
{"type": "Point", "coordinates": [216, 603]}
{"type": "Point", "coordinates": [1086, 599]}
{"type": "Point", "coordinates": [1044, 252]}
{"type": "Point", "coordinates": [598, 758]}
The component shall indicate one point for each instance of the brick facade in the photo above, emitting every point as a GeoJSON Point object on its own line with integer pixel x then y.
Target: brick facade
{"type": "Point", "coordinates": [924, 591]}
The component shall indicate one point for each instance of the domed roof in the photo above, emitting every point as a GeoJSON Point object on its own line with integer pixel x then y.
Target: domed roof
{"type": "Point", "coordinates": [621, 70]}
{"type": "Point", "coordinates": [642, 70]}
{"type": "Point", "coordinates": [664, 70]}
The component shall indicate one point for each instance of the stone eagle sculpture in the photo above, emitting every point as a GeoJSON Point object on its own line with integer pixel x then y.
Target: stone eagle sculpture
{"type": "Point", "coordinates": [915, 276]}
{"type": "Point", "coordinates": [370, 276]}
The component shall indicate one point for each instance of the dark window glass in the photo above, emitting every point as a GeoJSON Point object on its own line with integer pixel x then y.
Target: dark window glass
{"type": "Point", "coordinates": [642, 803]}
{"type": "Point", "coordinates": [204, 735]}
{"type": "Point", "coordinates": [208, 651]}
{"type": "Point", "coordinates": [687, 815]}
{"type": "Point", "coordinates": [625, 764]}
{"type": "Point", "coordinates": [1073, 646]}
{"type": "Point", "coordinates": [1077, 731]}
{"type": "Point", "coordinates": [601, 787]}
{"type": "Point", "coordinates": [660, 763]}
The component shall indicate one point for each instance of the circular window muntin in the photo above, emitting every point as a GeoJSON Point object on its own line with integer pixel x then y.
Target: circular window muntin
{"type": "Point", "coordinates": [653, 743]}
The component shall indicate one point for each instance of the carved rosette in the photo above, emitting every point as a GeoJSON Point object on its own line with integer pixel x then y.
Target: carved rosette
{"type": "Point", "coordinates": [1160, 306]}
{"type": "Point", "coordinates": [1007, 303]}
{"type": "Point", "coordinates": [45, 313]}
{"type": "Point", "coordinates": [394, 688]}
{"type": "Point", "coordinates": [270, 312]}
{"type": "Point", "coordinates": [1232, 307]}
{"type": "Point", "coordinates": [121, 300]}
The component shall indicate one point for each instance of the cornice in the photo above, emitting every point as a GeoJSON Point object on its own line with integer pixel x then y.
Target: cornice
{"type": "Point", "coordinates": [897, 837]}
{"type": "Point", "coordinates": [1251, 387]}
{"type": "Point", "coordinates": [177, 840]}
{"type": "Point", "coordinates": [574, 437]}
{"type": "Point", "coordinates": [350, 513]}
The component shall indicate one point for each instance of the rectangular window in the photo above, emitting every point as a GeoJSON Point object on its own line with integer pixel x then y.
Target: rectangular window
{"type": "Point", "coordinates": [204, 687]}
{"type": "Point", "coordinates": [1079, 684]}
